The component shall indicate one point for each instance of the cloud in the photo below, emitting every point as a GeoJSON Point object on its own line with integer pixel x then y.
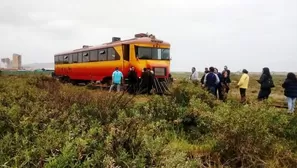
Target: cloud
{"type": "Point", "coordinates": [239, 33]}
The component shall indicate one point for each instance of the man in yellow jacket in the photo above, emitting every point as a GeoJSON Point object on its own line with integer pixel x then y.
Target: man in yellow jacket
{"type": "Point", "coordinates": [243, 84]}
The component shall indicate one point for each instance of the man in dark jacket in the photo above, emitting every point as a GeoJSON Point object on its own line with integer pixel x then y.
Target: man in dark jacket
{"type": "Point", "coordinates": [145, 81]}
{"type": "Point", "coordinates": [205, 72]}
{"type": "Point", "coordinates": [228, 79]}
{"type": "Point", "coordinates": [290, 86]}
{"type": "Point", "coordinates": [266, 83]}
{"type": "Point", "coordinates": [211, 80]}
{"type": "Point", "coordinates": [132, 80]}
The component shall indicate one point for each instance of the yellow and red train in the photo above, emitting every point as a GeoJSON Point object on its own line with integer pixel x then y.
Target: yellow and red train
{"type": "Point", "coordinates": [96, 63]}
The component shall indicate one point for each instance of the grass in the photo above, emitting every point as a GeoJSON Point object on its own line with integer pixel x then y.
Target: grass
{"type": "Point", "coordinates": [44, 123]}
{"type": "Point", "coordinates": [277, 94]}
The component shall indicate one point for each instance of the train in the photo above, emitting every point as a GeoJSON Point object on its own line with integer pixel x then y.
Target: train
{"type": "Point", "coordinates": [97, 63]}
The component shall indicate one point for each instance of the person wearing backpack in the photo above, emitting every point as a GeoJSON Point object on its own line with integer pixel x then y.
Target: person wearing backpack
{"type": "Point", "coordinates": [211, 80]}
{"type": "Point", "coordinates": [290, 86]}
{"type": "Point", "coordinates": [243, 85]}
{"type": "Point", "coordinates": [266, 83]}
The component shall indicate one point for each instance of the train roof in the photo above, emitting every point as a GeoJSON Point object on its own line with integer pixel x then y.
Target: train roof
{"type": "Point", "coordinates": [139, 38]}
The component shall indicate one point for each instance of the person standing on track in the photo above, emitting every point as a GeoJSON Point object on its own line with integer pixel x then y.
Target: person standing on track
{"type": "Point", "coordinates": [144, 84]}
{"type": "Point", "coordinates": [243, 85]}
{"type": "Point", "coordinates": [117, 78]}
{"type": "Point", "coordinates": [151, 78]}
{"type": "Point", "coordinates": [290, 86]}
{"type": "Point", "coordinates": [132, 79]}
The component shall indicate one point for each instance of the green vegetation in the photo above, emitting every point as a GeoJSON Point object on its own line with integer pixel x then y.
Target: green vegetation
{"type": "Point", "coordinates": [36, 72]}
{"type": "Point", "coordinates": [44, 123]}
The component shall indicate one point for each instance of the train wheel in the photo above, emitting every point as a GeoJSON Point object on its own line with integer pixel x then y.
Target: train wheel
{"type": "Point", "coordinates": [74, 82]}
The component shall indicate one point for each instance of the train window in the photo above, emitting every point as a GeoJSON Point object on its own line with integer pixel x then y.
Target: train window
{"type": "Point", "coordinates": [74, 58]}
{"type": "Point", "coordinates": [86, 56]}
{"type": "Point", "coordinates": [111, 54]}
{"type": "Point", "coordinates": [70, 58]}
{"type": "Point", "coordinates": [66, 58]}
{"type": "Point", "coordinates": [56, 59]}
{"type": "Point", "coordinates": [79, 57]}
{"type": "Point", "coordinates": [102, 55]}
{"type": "Point", "coordinates": [94, 55]}
{"type": "Point", "coordinates": [61, 59]}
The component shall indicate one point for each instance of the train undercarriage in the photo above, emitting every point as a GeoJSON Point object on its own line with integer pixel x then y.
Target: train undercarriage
{"type": "Point", "coordinates": [159, 86]}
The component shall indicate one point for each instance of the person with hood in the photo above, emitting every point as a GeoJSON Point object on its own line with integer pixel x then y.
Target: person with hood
{"type": "Point", "coordinates": [132, 79]}
{"type": "Point", "coordinates": [290, 86]}
{"type": "Point", "coordinates": [194, 76]}
{"type": "Point", "coordinates": [243, 85]}
{"type": "Point", "coordinates": [225, 86]}
{"type": "Point", "coordinates": [266, 83]}
{"type": "Point", "coordinates": [211, 80]}
{"type": "Point", "coordinates": [228, 74]}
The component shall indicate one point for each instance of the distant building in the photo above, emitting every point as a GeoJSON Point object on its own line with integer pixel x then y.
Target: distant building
{"type": "Point", "coordinates": [16, 61]}
{"type": "Point", "coordinates": [5, 63]}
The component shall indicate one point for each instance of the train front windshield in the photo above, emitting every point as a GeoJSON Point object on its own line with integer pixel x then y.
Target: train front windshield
{"type": "Point", "coordinates": [147, 53]}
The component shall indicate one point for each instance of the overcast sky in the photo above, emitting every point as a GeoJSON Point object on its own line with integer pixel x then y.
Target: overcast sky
{"type": "Point", "coordinates": [247, 34]}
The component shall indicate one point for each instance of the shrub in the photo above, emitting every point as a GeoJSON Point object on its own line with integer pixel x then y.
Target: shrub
{"type": "Point", "coordinates": [44, 123]}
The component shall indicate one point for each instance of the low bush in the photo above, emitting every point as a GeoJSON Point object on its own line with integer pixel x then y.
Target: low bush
{"type": "Point", "coordinates": [44, 123]}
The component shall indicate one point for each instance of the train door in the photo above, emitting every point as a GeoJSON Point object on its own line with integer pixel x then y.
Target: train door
{"type": "Point", "coordinates": [126, 59]}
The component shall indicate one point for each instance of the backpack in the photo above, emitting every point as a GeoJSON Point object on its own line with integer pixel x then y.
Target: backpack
{"type": "Point", "coordinates": [268, 84]}
{"type": "Point", "coordinates": [211, 79]}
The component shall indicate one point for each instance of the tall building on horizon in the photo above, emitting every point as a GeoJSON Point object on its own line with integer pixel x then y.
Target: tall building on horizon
{"type": "Point", "coordinates": [6, 63]}
{"type": "Point", "coordinates": [16, 61]}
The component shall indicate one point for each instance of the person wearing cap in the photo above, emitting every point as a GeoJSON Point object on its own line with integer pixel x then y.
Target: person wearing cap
{"type": "Point", "coordinates": [243, 85]}
{"type": "Point", "coordinates": [117, 77]}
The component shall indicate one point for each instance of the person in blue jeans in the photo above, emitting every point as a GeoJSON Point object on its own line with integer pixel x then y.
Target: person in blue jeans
{"type": "Point", "coordinates": [117, 78]}
{"type": "Point", "coordinates": [290, 86]}
{"type": "Point", "coordinates": [219, 87]}
{"type": "Point", "coordinates": [211, 81]}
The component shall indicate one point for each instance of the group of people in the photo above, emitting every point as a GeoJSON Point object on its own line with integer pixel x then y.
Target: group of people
{"type": "Point", "coordinates": [215, 82]}
{"type": "Point", "coordinates": [141, 85]}
{"type": "Point", "coordinates": [218, 84]}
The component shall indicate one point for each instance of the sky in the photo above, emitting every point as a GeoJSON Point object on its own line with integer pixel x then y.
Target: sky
{"type": "Point", "coordinates": [249, 34]}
